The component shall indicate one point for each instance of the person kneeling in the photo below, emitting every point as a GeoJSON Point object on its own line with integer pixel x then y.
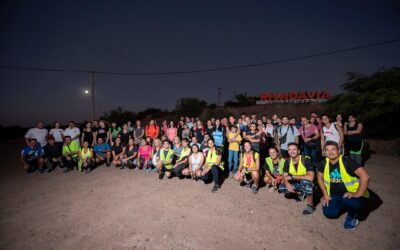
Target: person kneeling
{"type": "Point", "coordinates": [70, 153]}
{"type": "Point", "coordinates": [164, 161]}
{"type": "Point", "coordinates": [32, 156]}
{"type": "Point", "coordinates": [85, 158]}
{"type": "Point", "coordinates": [298, 176]}
{"type": "Point", "coordinates": [213, 166]}
{"type": "Point", "coordinates": [344, 185]}
{"type": "Point", "coordinates": [249, 167]}
{"type": "Point", "coordinates": [273, 167]}
{"type": "Point", "coordinates": [180, 168]}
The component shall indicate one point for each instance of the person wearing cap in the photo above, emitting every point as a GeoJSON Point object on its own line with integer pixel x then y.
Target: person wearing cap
{"type": "Point", "coordinates": [70, 153]}
{"type": "Point", "coordinates": [344, 185]}
{"type": "Point", "coordinates": [52, 154]}
{"type": "Point", "coordinates": [32, 156]}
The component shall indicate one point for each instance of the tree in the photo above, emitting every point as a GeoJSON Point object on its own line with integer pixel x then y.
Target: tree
{"type": "Point", "coordinates": [190, 106]}
{"type": "Point", "coordinates": [119, 115]}
{"type": "Point", "coordinates": [374, 99]}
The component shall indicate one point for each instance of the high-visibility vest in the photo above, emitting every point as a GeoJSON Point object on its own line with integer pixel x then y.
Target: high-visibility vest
{"type": "Point", "coordinates": [351, 183]}
{"type": "Point", "coordinates": [212, 157]}
{"type": "Point", "coordinates": [254, 156]}
{"type": "Point", "coordinates": [301, 169]}
{"type": "Point", "coordinates": [167, 157]}
{"type": "Point", "coordinates": [184, 153]}
{"type": "Point", "coordinates": [270, 165]}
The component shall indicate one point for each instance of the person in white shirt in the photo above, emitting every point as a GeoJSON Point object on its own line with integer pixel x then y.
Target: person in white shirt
{"type": "Point", "coordinates": [72, 131]}
{"type": "Point", "coordinates": [39, 133]}
{"type": "Point", "coordinates": [58, 134]}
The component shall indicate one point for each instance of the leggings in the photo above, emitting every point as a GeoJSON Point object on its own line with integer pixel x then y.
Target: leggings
{"type": "Point", "coordinates": [212, 175]}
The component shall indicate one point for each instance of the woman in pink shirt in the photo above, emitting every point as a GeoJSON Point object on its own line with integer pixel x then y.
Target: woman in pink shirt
{"type": "Point", "coordinates": [172, 131]}
{"type": "Point", "coordinates": [144, 156]}
{"type": "Point", "coordinates": [164, 127]}
{"type": "Point", "coordinates": [310, 134]}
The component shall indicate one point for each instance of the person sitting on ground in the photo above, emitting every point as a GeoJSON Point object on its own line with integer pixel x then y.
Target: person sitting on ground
{"type": "Point", "coordinates": [164, 166]}
{"type": "Point", "coordinates": [273, 167]}
{"type": "Point", "coordinates": [32, 156]}
{"type": "Point", "coordinates": [298, 177]}
{"type": "Point", "coordinates": [182, 162]}
{"type": "Point", "coordinates": [196, 160]}
{"type": "Point", "coordinates": [344, 185]}
{"type": "Point", "coordinates": [177, 146]}
{"type": "Point", "coordinates": [52, 154]}
{"type": "Point", "coordinates": [102, 152]}
{"type": "Point", "coordinates": [249, 167]}
{"type": "Point", "coordinates": [117, 152]}
{"type": "Point", "coordinates": [144, 156]}
{"type": "Point", "coordinates": [213, 166]}
{"type": "Point", "coordinates": [85, 158]}
{"type": "Point", "coordinates": [70, 153]}
{"type": "Point", "coordinates": [131, 153]}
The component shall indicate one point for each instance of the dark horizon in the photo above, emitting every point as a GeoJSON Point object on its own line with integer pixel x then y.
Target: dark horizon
{"type": "Point", "coordinates": [164, 36]}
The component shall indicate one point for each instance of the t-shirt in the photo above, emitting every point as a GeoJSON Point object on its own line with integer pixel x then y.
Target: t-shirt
{"type": "Point", "coordinates": [117, 149]}
{"type": "Point", "coordinates": [275, 168]}
{"type": "Point", "coordinates": [209, 130]}
{"type": "Point", "coordinates": [57, 133]}
{"type": "Point", "coordinates": [125, 137]}
{"type": "Point", "coordinates": [254, 135]}
{"type": "Point", "coordinates": [290, 135]}
{"type": "Point", "coordinates": [331, 133]}
{"type": "Point", "coordinates": [307, 132]}
{"type": "Point", "coordinates": [98, 148]}
{"type": "Point", "coordinates": [337, 185]}
{"type": "Point", "coordinates": [234, 146]}
{"type": "Point", "coordinates": [30, 153]}
{"type": "Point", "coordinates": [199, 133]}
{"type": "Point", "coordinates": [115, 132]}
{"type": "Point", "coordinates": [145, 152]}
{"type": "Point", "coordinates": [131, 152]}
{"type": "Point", "coordinates": [39, 134]}
{"type": "Point", "coordinates": [72, 132]}
{"type": "Point", "coordinates": [102, 133]}
{"type": "Point", "coordinates": [152, 131]}
{"type": "Point", "coordinates": [52, 151]}
{"type": "Point", "coordinates": [72, 147]}
{"type": "Point", "coordinates": [307, 164]}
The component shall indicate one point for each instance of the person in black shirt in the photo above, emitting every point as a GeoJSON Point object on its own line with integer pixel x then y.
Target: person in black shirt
{"type": "Point", "coordinates": [103, 132]}
{"type": "Point", "coordinates": [87, 134]}
{"type": "Point", "coordinates": [125, 135]}
{"type": "Point", "coordinates": [298, 176]}
{"type": "Point", "coordinates": [118, 152]}
{"type": "Point", "coordinates": [344, 185]}
{"type": "Point", "coordinates": [131, 152]}
{"type": "Point", "coordinates": [52, 154]}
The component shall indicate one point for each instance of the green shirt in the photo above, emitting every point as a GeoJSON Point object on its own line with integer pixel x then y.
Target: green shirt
{"type": "Point", "coordinates": [73, 147]}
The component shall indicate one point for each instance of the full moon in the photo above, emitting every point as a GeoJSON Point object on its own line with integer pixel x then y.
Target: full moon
{"type": "Point", "coordinates": [86, 91]}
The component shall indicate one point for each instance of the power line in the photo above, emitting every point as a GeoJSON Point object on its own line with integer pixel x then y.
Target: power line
{"type": "Point", "coordinates": [292, 59]}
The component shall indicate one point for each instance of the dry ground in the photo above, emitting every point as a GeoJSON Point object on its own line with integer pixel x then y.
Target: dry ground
{"type": "Point", "coordinates": [127, 209]}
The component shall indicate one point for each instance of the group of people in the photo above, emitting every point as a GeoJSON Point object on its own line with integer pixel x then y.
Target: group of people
{"type": "Point", "coordinates": [292, 157]}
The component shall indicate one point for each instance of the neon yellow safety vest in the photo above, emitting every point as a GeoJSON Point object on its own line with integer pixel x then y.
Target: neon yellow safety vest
{"type": "Point", "coordinates": [351, 183]}
{"type": "Point", "coordinates": [301, 169]}
{"type": "Point", "coordinates": [167, 157]}
{"type": "Point", "coordinates": [211, 159]}
{"type": "Point", "coordinates": [184, 153]}
{"type": "Point", "coordinates": [254, 156]}
{"type": "Point", "coordinates": [270, 164]}
{"type": "Point", "coordinates": [88, 154]}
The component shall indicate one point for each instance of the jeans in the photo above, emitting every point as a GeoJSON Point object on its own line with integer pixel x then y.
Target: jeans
{"type": "Point", "coordinates": [233, 161]}
{"type": "Point", "coordinates": [212, 175]}
{"type": "Point", "coordinates": [312, 152]}
{"type": "Point", "coordinates": [335, 206]}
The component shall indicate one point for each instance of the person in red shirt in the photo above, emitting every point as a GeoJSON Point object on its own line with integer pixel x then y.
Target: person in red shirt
{"type": "Point", "coordinates": [152, 130]}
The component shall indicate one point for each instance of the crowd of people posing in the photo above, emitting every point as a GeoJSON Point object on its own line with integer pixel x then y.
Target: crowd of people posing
{"type": "Point", "coordinates": [293, 157]}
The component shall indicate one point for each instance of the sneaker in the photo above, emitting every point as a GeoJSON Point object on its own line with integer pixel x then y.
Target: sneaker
{"type": "Point", "coordinates": [88, 170]}
{"type": "Point", "coordinates": [271, 189]}
{"type": "Point", "coordinates": [122, 166]}
{"type": "Point", "coordinates": [254, 189]}
{"type": "Point", "coordinates": [248, 184]}
{"type": "Point", "coordinates": [67, 170]}
{"type": "Point", "coordinates": [161, 175]}
{"type": "Point", "coordinates": [215, 189]}
{"type": "Point", "coordinates": [309, 210]}
{"type": "Point", "coordinates": [302, 197]}
{"type": "Point", "coordinates": [290, 195]}
{"type": "Point", "coordinates": [351, 223]}
{"type": "Point", "coordinates": [108, 164]}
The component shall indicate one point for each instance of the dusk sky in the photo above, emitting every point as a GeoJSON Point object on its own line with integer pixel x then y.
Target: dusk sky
{"type": "Point", "coordinates": [160, 36]}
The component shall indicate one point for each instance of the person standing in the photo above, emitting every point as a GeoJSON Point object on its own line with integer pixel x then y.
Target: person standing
{"type": "Point", "coordinates": [310, 135]}
{"type": "Point", "coordinates": [88, 135]}
{"type": "Point", "coordinates": [73, 132]}
{"type": "Point", "coordinates": [39, 133]}
{"type": "Point", "coordinates": [331, 132]}
{"type": "Point", "coordinates": [354, 140]}
{"type": "Point", "coordinates": [287, 134]}
{"type": "Point", "coordinates": [58, 134]}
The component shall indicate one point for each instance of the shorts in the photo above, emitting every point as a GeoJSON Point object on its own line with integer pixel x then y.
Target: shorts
{"type": "Point", "coordinates": [303, 186]}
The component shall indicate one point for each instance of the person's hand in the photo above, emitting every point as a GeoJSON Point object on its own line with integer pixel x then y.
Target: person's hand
{"type": "Point", "coordinates": [307, 139]}
{"type": "Point", "coordinates": [325, 200]}
{"type": "Point", "coordinates": [349, 195]}
{"type": "Point", "coordinates": [289, 188]}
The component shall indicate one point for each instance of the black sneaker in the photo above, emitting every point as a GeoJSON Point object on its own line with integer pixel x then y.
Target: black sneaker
{"type": "Point", "coordinates": [215, 189]}
{"type": "Point", "coordinates": [88, 170]}
{"type": "Point", "coordinates": [309, 210]}
{"type": "Point", "coordinates": [254, 189]}
{"type": "Point", "coordinates": [161, 175]}
{"type": "Point", "coordinates": [108, 164]}
{"type": "Point", "coordinates": [290, 195]}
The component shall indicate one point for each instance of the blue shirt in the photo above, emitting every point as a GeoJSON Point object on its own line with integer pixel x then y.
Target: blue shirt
{"type": "Point", "coordinates": [98, 148]}
{"type": "Point", "coordinates": [29, 152]}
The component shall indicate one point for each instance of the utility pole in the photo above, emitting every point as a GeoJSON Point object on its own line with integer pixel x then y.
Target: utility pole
{"type": "Point", "coordinates": [93, 102]}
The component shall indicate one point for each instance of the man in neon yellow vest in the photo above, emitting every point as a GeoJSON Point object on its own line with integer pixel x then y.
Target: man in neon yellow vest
{"type": "Point", "coordinates": [344, 185]}
{"type": "Point", "coordinates": [249, 167]}
{"type": "Point", "coordinates": [213, 166]}
{"type": "Point", "coordinates": [298, 177]}
{"type": "Point", "coordinates": [164, 160]}
{"type": "Point", "coordinates": [70, 152]}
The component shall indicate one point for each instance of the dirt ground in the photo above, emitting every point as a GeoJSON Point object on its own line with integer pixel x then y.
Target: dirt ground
{"type": "Point", "coordinates": [127, 209]}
